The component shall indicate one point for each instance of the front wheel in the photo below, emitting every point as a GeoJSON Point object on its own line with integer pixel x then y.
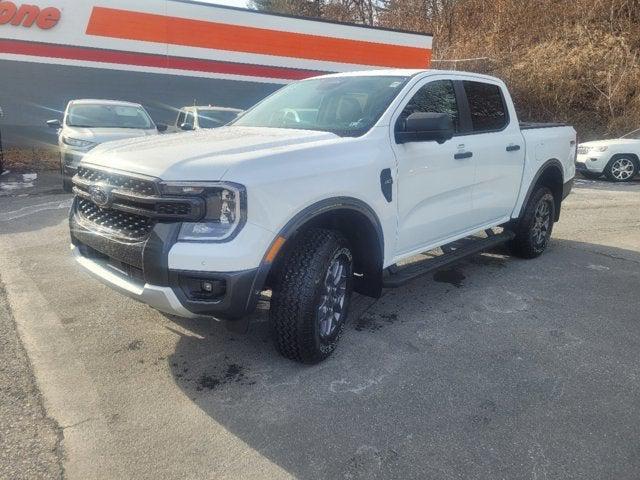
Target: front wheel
{"type": "Point", "coordinates": [311, 296]}
{"type": "Point", "coordinates": [533, 229]}
{"type": "Point", "coordinates": [622, 169]}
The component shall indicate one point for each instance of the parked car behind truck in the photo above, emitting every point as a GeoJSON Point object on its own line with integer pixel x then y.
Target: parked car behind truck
{"type": "Point", "coordinates": [88, 123]}
{"type": "Point", "coordinates": [618, 159]}
{"type": "Point", "coordinates": [316, 206]}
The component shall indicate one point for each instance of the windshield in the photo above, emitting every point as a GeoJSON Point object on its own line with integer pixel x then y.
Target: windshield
{"type": "Point", "coordinates": [346, 106]}
{"type": "Point", "coordinates": [635, 134]}
{"type": "Point", "coordinates": [215, 118]}
{"type": "Point", "coordinates": [108, 116]}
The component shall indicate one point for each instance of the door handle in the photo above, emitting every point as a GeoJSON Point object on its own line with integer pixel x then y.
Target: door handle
{"type": "Point", "coordinates": [462, 156]}
{"type": "Point", "coordinates": [513, 148]}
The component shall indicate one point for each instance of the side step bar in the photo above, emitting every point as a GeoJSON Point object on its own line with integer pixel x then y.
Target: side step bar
{"type": "Point", "coordinates": [396, 276]}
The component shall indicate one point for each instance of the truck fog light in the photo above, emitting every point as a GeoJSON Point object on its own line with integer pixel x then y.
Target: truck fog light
{"type": "Point", "coordinates": [203, 289]}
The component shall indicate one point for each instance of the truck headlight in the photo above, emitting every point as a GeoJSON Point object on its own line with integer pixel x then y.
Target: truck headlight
{"type": "Point", "coordinates": [604, 148]}
{"type": "Point", "coordinates": [226, 210]}
{"type": "Point", "coordinates": [77, 143]}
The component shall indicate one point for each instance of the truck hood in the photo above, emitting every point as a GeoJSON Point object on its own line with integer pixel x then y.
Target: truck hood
{"type": "Point", "coordinates": [203, 155]}
{"type": "Point", "coordinates": [101, 135]}
{"type": "Point", "coordinates": [611, 142]}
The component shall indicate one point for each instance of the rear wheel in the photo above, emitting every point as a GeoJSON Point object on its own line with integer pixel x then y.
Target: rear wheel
{"type": "Point", "coordinates": [311, 296]}
{"type": "Point", "coordinates": [622, 169]}
{"type": "Point", "coordinates": [533, 230]}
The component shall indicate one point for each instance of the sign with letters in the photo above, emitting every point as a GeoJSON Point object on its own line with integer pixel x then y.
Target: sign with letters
{"type": "Point", "coordinates": [28, 15]}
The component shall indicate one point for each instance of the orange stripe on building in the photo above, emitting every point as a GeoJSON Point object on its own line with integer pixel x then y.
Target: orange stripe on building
{"type": "Point", "coordinates": [124, 24]}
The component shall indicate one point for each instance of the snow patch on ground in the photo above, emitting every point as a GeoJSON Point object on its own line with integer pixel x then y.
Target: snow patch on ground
{"type": "Point", "coordinates": [17, 182]}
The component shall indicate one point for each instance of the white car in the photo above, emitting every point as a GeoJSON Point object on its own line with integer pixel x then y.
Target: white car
{"type": "Point", "coordinates": [618, 159]}
{"type": "Point", "coordinates": [199, 117]}
{"type": "Point", "coordinates": [88, 123]}
{"type": "Point", "coordinates": [328, 186]}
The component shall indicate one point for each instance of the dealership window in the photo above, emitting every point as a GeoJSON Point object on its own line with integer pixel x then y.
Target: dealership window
{"type": "Point", "coordinates": [486, 105]}
{"type": "Point", "coordinates": [435, 97]}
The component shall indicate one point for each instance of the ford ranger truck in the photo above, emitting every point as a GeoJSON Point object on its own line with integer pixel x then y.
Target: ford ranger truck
{"type": "Point", "coordinates": [332, 185]}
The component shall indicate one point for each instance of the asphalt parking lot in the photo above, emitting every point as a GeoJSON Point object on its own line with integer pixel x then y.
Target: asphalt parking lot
{"type": "Point", "coordinates": [496, 368]}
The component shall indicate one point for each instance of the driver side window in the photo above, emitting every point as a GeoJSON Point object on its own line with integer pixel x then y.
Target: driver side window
{"type": "Point", "coordinates": [190, 119]}
{"type": "Point", "coordinates": [435, 97]}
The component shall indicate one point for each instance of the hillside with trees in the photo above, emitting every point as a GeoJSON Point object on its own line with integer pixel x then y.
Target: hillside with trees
{"type": "Point", "coordinates": [564, 60]}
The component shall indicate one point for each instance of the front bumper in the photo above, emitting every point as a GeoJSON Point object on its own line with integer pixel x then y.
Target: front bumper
{"type": "Point", "coordinates": [140, 270]}
{"type": "Point", "coordinates": [592, 162]}
{"type": "Point", "coordinates": [163, 299]}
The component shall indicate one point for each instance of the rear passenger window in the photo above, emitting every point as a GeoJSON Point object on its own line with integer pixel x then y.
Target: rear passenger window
{"type": "Point", "coordinates": [180, 120]}
{"type": "Point", "coordinates": [488, 111]}
{"type": "Point", "coordinates": [434, 97]}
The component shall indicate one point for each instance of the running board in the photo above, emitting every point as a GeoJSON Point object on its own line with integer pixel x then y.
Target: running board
{"type": "Point", "coordinates": [396, 276]}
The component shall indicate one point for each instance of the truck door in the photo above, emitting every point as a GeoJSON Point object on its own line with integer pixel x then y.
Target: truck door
{"type": "Point", "coordinates": [435, 181]}
{"type": "Point", "coordinates": [498, 149]}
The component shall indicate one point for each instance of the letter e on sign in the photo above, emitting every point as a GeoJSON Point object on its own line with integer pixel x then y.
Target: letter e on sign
{"type": "Point", "coordinates": [48, 18]}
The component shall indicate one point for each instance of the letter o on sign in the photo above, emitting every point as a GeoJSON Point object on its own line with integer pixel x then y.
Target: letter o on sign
{"type": "Point", "coordinates": [7, 12]}
{"type": "Point", "coordinates": [48, 18]}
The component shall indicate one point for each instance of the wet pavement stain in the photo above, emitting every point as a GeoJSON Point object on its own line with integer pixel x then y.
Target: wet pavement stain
{"type": "Point", "coordinates": [373, 323]}
{"type": "Point", "coordinates": [233, 373]}
{"type": "Point", "coordinates": [452, 276]}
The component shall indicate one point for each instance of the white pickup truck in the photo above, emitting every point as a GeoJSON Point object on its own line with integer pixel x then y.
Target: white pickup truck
{"type": "Point", "coordinates": [330, 185]}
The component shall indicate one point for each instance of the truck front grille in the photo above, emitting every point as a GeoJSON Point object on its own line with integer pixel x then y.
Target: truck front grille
{"type": "Point", "coordinates": [122, 224]}
{"type": "Point", "coordinates": [125, 183]}
{"type": "Point", "coordinates": [128, 206]}
{"type": "Point", "coordinates": [583, 150]}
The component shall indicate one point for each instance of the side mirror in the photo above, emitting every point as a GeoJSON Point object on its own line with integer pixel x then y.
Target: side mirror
{"type": "Point", "coordinates": [54, 123]}
{"type": "Point", "coordinates": [186, 127]}
{"type": "Point", "coordinates": [161, 127]}
{"type": "Point", "coordinates": [425, 127]}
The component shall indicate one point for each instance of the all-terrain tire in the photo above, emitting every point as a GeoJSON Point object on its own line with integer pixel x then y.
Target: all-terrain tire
{"type": "Point", "coordinates": [622, 169]}
{"type": "Point", "coordinates": [299, 291]}
{"type": "Point", "coordinates": [532, 236]}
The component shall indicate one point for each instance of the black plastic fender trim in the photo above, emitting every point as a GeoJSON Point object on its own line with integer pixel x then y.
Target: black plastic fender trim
{"type": "Point", "coordinates": [296, 223]}
{"type": "Point", "coordinates": [549, 163]}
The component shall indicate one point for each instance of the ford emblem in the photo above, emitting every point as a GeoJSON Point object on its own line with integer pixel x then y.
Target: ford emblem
{"type": "Point", "coordinates": [100, 195]}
